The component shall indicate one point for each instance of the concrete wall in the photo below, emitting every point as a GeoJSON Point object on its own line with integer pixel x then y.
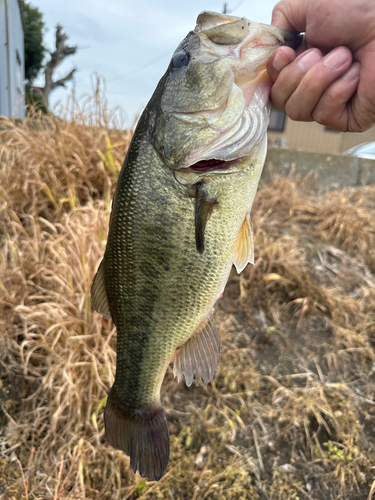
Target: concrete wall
{"type": "Point", "coordinates": [12, 64]}
{"type": "Point", "coordinates": [332, 171]}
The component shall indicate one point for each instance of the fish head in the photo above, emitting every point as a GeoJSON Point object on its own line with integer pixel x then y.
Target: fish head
{"type": "Point", "coordinates": [213, 102]}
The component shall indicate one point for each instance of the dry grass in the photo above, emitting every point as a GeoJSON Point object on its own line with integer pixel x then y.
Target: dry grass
{"type": "Point", "coordinates": [290, 413]}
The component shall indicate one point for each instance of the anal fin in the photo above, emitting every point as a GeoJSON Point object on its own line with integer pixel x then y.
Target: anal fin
{"type": "Point", "coordinates": [199, 357]}
{"type": "Point", "coordinates": [99, 299]}
{"type": "Point", "coordinates": [244, 250]}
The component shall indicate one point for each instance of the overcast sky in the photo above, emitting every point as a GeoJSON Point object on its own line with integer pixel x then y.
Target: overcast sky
{"type": "Point", "coordinates": [129, 44]}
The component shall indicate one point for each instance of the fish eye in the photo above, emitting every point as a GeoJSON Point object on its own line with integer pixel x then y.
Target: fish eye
{"type": "Point", "coordinates": [180, 59]}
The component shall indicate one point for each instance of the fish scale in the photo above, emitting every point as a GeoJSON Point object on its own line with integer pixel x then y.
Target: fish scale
{"type": "Point", "coordinates": [178, 224]}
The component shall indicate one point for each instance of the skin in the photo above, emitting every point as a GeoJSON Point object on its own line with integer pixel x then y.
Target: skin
{"type": "Point", "coordinates": [331, 78]}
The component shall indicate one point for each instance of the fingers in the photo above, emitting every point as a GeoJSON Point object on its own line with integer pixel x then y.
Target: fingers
{"type": "Point", "coordinates": [300, 84]}
{"type": "Point", "coordinates": [290, 15]}
{"type": "Point", "coordinates": [338, 95]}
{"type": "Point", "coordinates": [333, 109]}
{"type": "Point", "coordinates": [281, 58]}
{"type": "Point", "coordinates": [280, 19]}
{"type": "Point", "coordinates": [289, 90]}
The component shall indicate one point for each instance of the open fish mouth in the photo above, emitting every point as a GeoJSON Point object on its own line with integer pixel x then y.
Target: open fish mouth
{"type": "Point", "coordinates": [233, 35]}
{"type": "Point", "coordinates": [285, 37]}
{"type": "Point", "coordinates": [213, 165]}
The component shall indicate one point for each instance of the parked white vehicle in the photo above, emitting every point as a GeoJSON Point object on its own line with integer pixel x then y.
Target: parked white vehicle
{"type": "Point", "coordinates": [365, 150]}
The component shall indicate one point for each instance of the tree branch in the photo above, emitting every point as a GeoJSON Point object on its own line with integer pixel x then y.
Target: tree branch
{"type": "Point", "coordinates": [62, 51]}
{"type": "Point", "coordinates": [61, 82]}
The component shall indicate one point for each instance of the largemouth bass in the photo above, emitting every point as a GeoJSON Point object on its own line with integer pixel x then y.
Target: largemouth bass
{"type": "Point", "coordinates": [180, 220]}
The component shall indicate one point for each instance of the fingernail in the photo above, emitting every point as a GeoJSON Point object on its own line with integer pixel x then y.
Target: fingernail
{"type": "Point", "coordinates": [336, 58]}
{"type": "Point", "coordinates": [279, 61]}
{"type": "Point", "coordinates": [352, 73]}
{"type": "Point", "coordinates": [308, 60]}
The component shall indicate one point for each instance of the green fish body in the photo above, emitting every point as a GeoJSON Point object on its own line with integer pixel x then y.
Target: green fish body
{"type": "Point", "coordinates": [179, 221]}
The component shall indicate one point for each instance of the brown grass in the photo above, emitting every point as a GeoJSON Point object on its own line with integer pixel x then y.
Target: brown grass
{"type": "Point", "coordinates": [290, 412]}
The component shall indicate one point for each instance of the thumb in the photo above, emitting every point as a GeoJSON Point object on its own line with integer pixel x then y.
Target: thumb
{"type": "Point", "coordinates": [290, 15]}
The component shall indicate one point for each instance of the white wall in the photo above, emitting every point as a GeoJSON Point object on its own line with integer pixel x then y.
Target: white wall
{"type": "Point", "coordinates": [12, 66]}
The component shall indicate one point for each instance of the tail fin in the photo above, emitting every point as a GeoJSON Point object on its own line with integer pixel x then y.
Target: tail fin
{"type": "Point", "coordinates": [141, 434]}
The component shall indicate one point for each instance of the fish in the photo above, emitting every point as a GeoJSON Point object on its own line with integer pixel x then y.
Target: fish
{"type": "Point", "coordinates": [180, 219]}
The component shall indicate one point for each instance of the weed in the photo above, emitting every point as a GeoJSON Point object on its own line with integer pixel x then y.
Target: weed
{"type": "Point", "coordinates": [294, 386]}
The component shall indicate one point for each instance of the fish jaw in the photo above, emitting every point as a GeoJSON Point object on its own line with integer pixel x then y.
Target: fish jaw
{"type": "Point", "coordinates": [210, 20]}
{"type": "Point", "coordinates": [216, 106]}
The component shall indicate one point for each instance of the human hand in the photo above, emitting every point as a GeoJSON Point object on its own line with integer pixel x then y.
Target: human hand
{"type": "Point", "coordinates": [331, 79]}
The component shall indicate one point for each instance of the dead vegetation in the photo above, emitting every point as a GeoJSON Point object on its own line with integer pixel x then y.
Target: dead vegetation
{"type": "Point", "coordinates": [290, 413]}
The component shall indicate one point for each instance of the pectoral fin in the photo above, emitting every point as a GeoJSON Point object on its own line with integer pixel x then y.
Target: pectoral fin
{"type": "Point", "coordinates": [203, 210]}
{"type": "Point", "coordinates": [99, 299]}
{"type": "Point", "coordinates": [244, 250]}
{"type": "Point", "coordinates": [199, 357]}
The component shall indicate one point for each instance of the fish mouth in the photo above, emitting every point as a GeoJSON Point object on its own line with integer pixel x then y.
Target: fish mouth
{"type": "Point", "coordinates": [214, 166]}
{"type": "Point", "coordinates": [287, 38]}
{"type": "Point", "coordinates": [265, 36]}
{"type": "Point", "coordinates": [231, 30]}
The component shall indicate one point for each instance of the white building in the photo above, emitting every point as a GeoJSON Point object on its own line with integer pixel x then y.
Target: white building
{"type": "Point", "coordinates": [12, 61]}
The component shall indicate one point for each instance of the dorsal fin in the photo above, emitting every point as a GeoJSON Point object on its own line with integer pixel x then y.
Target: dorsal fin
{"type": "Point", "coordinates": [99, 299]}
{"type": "Point", "coordinates": [244, 250]}
{"type": "Point", "coordinates": [199, 357]}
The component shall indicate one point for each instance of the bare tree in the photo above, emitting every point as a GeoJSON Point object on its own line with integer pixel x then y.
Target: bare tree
{"type": "Point", "coordinates": [62, 51]}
